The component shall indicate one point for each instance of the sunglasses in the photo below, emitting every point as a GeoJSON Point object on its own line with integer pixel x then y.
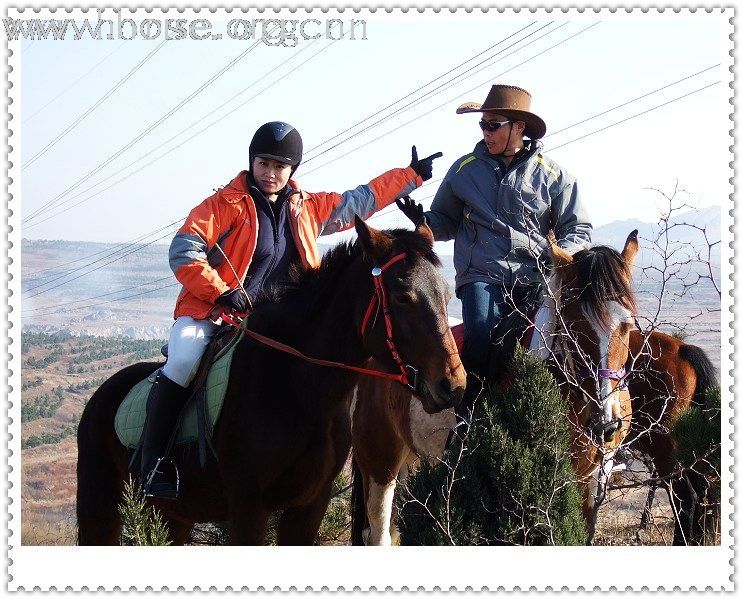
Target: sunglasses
{"type": "Point", "coordinates": [492, 125]}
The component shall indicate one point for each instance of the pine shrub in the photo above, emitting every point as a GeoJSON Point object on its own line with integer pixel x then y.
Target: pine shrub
{"type": "Point", "coordinates": [696, 432]}
{"type": "Point", "coordinates": [508, 480]}
{"type": "Point", "coordinates": [142, 523]}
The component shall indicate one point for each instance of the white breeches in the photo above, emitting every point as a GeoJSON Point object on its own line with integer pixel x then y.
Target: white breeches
{"type": "Point", "coordinates": [188, 340]}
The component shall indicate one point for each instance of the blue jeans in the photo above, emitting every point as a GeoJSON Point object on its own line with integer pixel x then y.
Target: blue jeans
{"type": "Point", "coordinates": [482, 307]}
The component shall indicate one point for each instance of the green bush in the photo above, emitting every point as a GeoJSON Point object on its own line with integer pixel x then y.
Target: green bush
{"type": "Point", "coordinates": [696, 432]}
{"type": "Point", "coordinates": [508, 480]}
{"type": "Point", "coordinates": [40, 407]}
{"type": "Point", "coordinates": [48, 438]}
{"type": "Point", "coordinates": [141, 523]}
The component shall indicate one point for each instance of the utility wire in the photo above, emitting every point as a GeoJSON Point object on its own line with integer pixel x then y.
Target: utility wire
{"type": "Point", "coordinates": [90, 110]}
{"type": "Point", "coordinates": [47, 290]}
{"type": "Point", "coordinates": [664, 87]}
{"type": "Point", "coordinates": [448, 102]}
{"type": "Point", "coordinates": [160, 280]}
{"type": "Point", "coordinates": [38, 222]}
{"type": "Point", "coordinates": [378, 214]}
{"type": "Point", "coordinates": [113, 300]}
{"type": "Point", "coordinates": [145, 132]}
{"type": "Point", "coordinates": [108, 251]}
{"type": "Point", "coordinates": [385, 212]}
{"type": "Point", "coordinates": [191, 138]}
{"type": "Point", "coordinates": [74, 83]}
{"type": "Point", "coordinates": [470, 72]}
{"type": "Point", "coordinates": [633, 116]}
{"type": "Point", "coordinates": [412, 93]}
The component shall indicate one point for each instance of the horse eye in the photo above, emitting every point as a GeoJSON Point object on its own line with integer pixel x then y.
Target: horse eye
{"type": "Point", "coordinates": [404, 298]}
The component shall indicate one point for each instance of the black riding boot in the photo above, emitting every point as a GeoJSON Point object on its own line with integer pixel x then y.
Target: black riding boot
{"type": "Point", "coordinates": [165, 403]}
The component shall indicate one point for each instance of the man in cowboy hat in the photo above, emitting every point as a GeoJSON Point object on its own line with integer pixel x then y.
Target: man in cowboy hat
{"type": "Point", "coordinates": [498, 203]}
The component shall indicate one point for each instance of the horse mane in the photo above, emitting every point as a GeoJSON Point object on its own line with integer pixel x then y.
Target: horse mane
{"type": "Point", "coordinates": [312, 285]}
{"type": "Point", "coordinates": [603, 276]}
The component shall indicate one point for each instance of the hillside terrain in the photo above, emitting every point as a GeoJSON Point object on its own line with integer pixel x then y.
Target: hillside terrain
{"type": "Point", "coordinates": [90, 309]}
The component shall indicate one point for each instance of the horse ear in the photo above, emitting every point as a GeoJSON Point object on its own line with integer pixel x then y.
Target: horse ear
{"type": "Point", "coordinates": [376, 245]}
{"type": "Point", "coordinates": [631, 247]}
{"type": "Point", "coordinates": [424, 230]}
{"type": "Point", "coordinates": [559, 256]}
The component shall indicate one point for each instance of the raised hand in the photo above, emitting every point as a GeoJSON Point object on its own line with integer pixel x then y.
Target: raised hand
{"type": "Point", "coordinates": [412, 210]}
{"type": "Point", "coordinates": [424, 166]}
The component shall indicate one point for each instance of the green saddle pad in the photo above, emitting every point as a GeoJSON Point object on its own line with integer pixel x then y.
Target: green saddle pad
{"type": "Point", "coordinates": [129, 420]}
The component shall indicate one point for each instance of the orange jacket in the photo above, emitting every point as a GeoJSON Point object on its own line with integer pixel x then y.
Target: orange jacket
{"type": "Point", "coordinates": [229, 218]}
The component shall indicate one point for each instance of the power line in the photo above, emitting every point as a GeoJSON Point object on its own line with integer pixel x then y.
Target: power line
{"type": "Point", "coordinates": [448, 102]}
{"type": "Point", "coordinates": [380, 213]}
{"type": "Point", "coordinates": [470, 72]}
{"type": "Point", "coordinates": [386, 212]}
{"type": "Point", "coordinates": [512, 68]}
{"type": "Point", "coordinates": [191, 138]}
{"type": "Point", "coordinates": [74, 83]}
{"type": "Point", "coordinates": [90, 271]}
{"type": "Point", "coordinates": [664, 87]}
{"type": "Point", "coordinates": [634, 116]}
{"type": "Point", "coordinates": [161, 279]}
{"type": "Point", "coordinates": [224, 116]}
{"type": "Point", "coordinates": [90, 110]}
{"type": "Point", "coordinates": [310, 150]}
{"type": "Point", "coordinates": [118, 248]}
{"type": "Point", "coordinates": [113, 300]}
{"type": "Point", "coordinates": [146, 131]}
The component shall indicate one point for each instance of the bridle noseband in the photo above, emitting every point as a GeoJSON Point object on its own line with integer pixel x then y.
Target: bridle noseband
{"type": "Point", "coordinates": [606, 373]}
{"type": "Point", "coordinates": [408, 373]}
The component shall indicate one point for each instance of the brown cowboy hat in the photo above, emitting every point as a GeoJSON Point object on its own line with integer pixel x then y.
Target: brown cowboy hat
{"type": "Point", "coordinates": [512, 102]}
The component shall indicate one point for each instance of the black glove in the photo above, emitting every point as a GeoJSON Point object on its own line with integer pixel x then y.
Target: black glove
{"type": "Point", "coordinates": [412, 210]}
{"type": "Point", "coordinates": [424, 167]}
{"type": "Point", "coordinates": [234, 299]}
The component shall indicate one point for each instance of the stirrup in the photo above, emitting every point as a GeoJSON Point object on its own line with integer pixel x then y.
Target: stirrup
{"type": "Point", "coordinates": [166, 470]}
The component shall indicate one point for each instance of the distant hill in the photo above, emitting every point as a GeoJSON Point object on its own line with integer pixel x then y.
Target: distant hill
{"type": "Point", "coordinates": [125, 290]}
{"type": "Point", "coordinates": [685, 230]}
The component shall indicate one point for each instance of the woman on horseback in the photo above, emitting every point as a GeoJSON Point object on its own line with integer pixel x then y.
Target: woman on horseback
{"type": "Point", "coordinates": [238, 241]}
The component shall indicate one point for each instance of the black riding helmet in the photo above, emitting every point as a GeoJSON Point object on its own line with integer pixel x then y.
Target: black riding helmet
{"type": "Point", "coordinates": [279, 141]}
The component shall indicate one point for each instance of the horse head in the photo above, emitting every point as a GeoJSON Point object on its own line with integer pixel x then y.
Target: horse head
{"type": "Point", "coordinates": [407, 323]}
{"type": "Point", "coordinates": [597, 307]}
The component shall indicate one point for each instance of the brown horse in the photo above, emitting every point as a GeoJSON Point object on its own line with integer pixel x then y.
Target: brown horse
{"type": "Point", "coordinates": [668, 376]}
{"type": "Point", "coordinates": [594, 292]}
{"type": "Point", "coordinates": [284, 431]}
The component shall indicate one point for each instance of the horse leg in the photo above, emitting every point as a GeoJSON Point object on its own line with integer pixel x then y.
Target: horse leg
{"type": "Point", "coordinates": [300, 525]}
{"type": "Point", "coordinates": [683, 506]}
{"type": "Point", "coordinates": [592, 498]}
{"type": "Point", "coordinates": [178, 530]}
{"type": "Point", "coordinates": [99, 492]}
{"type": "Point", "coordinates": [379, 509]}
{"type": "Point", "coordinates": [647, 512]}
{"type": "Point", "coordinates": [248, 522]}
{"type": "Point", "coordinates": [98, 518]}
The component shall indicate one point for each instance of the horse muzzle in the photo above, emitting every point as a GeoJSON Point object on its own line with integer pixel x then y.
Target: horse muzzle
{"type": "Point", "coordinates": [444, 394]}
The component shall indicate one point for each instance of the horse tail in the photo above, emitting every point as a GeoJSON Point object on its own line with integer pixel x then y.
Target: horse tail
{"type": "Point", "coordinates": [357, 505]}
{"type": "Point", "coordinates": [706, 375]}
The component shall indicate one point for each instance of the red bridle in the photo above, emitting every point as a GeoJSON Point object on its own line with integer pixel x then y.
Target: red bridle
{"type": "Point", "coordinates": [378, 300]}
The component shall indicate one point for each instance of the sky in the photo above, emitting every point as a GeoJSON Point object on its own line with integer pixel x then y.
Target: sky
{"type": "Point", "coordinates": [575, 66]}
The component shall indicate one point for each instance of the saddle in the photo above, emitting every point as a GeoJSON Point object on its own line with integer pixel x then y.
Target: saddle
{"type": "Point", "coordinates": [205, 398]}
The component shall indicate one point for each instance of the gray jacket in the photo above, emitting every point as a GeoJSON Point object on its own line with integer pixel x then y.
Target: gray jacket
{"type": "Point", "coordinates": [500, 220]}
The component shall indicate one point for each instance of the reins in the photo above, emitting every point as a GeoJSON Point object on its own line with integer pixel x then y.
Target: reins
{"type": "Point", "coordinates": [408, 374]}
